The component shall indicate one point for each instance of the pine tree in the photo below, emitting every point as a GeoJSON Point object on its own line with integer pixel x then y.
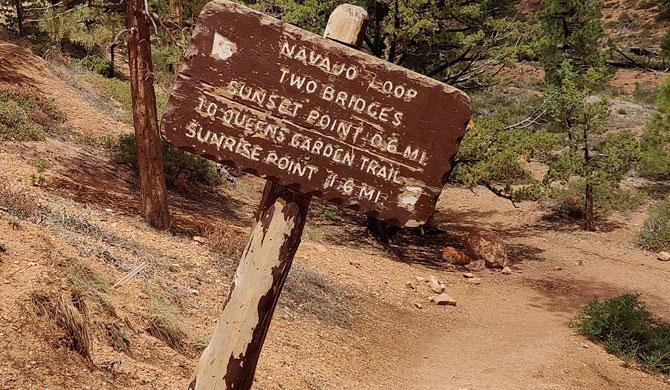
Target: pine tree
{"type": "Point", "coordinates": [655, 144]}
{"type": "Point", "coordinates": [591, 157]}
{"type": "Point", "coordinates": [459, 43]}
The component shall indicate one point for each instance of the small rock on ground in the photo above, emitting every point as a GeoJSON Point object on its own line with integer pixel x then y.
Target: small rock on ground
{"type": "Point", "coordinates": [444, 299]}
{"type": "Point", "coordinates": [468, 275]}
{"type": "Point", "coordinates": [664, 256]}
{"type": "Point", "coordinates": [506, 271]}
{"type": "Point", "coordinates": [435, 285]}
{"type": "Point", "coordinates": [475, 281]}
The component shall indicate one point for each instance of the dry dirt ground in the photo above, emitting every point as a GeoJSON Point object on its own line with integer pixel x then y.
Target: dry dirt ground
{"type": "Point", "coordinates": [352, 314]}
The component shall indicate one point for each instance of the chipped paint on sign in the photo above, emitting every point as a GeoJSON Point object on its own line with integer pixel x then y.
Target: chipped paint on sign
{"type": "Point", "coordinates": [222, 48]}
{"type": "Point", "coordinates": [314, 115]}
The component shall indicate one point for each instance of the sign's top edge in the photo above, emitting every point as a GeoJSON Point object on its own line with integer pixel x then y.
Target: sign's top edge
{"type": "Point", "coordinates": [227, 5]}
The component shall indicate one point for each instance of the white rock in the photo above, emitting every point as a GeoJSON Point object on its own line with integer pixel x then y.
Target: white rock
{"type": "Point", "coordinates": [444, 299]}
{"type": "Point", "coordinates": [664, 256]}
{"type": "Point", "coordinates": [475, 281]}
{"type": "Point", "coordinates": [435, 285]}
{"type": "Point", "coordinates": [506, 271]}
{"type": "Point", "coordinates": [468, 275]}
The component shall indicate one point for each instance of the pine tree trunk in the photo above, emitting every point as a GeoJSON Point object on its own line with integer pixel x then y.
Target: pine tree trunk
{"type": "Point", "coordinates": [149, 149]}
{"type": "Point", "coordinates": [589, 223]}
{"type": "Point", "coordinates": [112, 52]}
{"type": "Point", "coordinates": [19, 17]}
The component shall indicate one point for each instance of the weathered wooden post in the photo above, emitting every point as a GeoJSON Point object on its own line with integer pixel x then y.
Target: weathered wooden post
{"type": "Point", "coordinates": [315, 118]}
{"type": "Point", "coordinates": [230, 360]}
{"type": "Point", "coordinates": [153, 194]}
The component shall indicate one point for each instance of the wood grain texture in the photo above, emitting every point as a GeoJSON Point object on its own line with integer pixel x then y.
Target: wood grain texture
{"type": "Point", "coordinates": [230, 360]}
{"type": "Point", "coordinates": [315, 115]}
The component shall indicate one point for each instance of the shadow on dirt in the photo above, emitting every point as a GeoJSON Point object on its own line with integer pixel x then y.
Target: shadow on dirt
{"type": "Point", "coordinates": [567, 296]}
{"type": "Point", "coordinates": [417, 246]}
{"type": "Point", "coordinates": [90, 179]}
{"type": "Point", "coordinates": [564, 222]}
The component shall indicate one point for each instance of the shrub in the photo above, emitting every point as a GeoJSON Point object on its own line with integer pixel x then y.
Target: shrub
{"type": "Point", "coordinates": [569, 200]}
{"type": "Point", "coordinates": [26, 114]}
{"type": "Point", "coordinates": [655, 143]}
{"type": "Point", "coordinates": [655, 233]}
{"type": "Point", "coordinates": [179, 166]}
{"type": "Point", "coordinates": [626, 328]}
{"type": "Point", "coordinates": [95, 63]}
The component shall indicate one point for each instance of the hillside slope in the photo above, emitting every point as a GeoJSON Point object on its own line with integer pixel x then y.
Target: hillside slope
{"type": "Point", "coordinates": [352, 315]}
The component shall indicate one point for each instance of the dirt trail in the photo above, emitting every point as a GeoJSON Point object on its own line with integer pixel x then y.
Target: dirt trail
{"type": "Point", "coordinates": [352, 315]}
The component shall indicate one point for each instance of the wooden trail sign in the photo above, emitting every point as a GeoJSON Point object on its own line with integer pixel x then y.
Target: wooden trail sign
{"type": "Point", "coordinates": [203, 117]}
{"type": "Point", "coordinates": [314, 115]}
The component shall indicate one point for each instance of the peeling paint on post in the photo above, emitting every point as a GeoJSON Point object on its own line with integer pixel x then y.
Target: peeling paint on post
{"type": "Point", "coordinates": [229, 362]}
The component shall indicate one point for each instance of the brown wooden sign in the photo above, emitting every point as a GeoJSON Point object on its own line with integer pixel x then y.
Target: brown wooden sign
{"type": "Point", "coordinates": [314, 115]}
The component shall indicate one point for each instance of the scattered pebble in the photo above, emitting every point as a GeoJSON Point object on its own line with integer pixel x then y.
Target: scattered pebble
{"type": "Point", "coordinates": [174, 267]}
{"type": "Point", "coordinates": [418, 305]}
{"type": "Point", "coordinates": [475, 281]}
{"type": "Point", "coordinates": [199, 239]}
{"type": "Point", "coordinates": [3, 248]}
{"type": "Point", "coordinates": [558, 268]}
{"type": "Point", "coordinates": [468, 275]}
{"type": "Point", "coordinates": [420, 279]}
{"type": "Point", "coordinates": [664, 256]}
{"type": "Point", "coordinates": [435, 285]}
{"type": "Point", "coordinates": [506, 271]}
{"type": "Point", "coordinates": [444, 299]}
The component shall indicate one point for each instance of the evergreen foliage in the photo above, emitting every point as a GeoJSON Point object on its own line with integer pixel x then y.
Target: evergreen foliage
{"type": "Point", "coordinates": [655, 143]}
{"type": "Point", "coordinates": [569, 49]}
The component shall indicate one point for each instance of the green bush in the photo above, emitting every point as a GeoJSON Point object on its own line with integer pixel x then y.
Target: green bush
{"type": "Point", "coordinates": [165, 58]}
{"type": "Point", "coordinates": [178, 165]}
{"type": "Point", "coordinates": [569, 200]}
{"type": "Point", "coordinates": [95, 63]}
{"type": "Point", "coordinates": [626, 328]}
{"type": "Point", "coordinates": [655, 233]}
{"type": "Point", "coordinates": [655, 143]}
{"type": "Point", "coordinates": [26, 115]}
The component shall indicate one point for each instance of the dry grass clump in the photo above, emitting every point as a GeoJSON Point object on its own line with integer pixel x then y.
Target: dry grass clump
{"type": "Point", "coordinates": [162, 324]}
{"type": "Point", "coordinates": [62, 320]}
{"type": "Point", "coordinates": [16, 201]}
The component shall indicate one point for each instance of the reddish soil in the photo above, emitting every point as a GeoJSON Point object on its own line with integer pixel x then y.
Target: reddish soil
{"type": "Point", "coordinates": [352, 314]}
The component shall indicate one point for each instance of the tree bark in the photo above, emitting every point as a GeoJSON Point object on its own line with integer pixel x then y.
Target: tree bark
{"type": "Point", "coordinates": [589, 221]}
{"type": "Point", "coordinates": [112, 52]}
{"type": "Point", "coordinates": [19, 17]}
{"type": "Point", "coordinates": [153, 192]}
